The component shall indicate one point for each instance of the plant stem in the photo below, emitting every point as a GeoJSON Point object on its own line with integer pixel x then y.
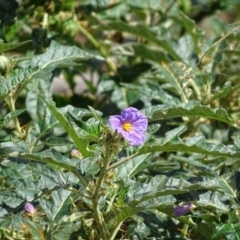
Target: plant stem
{"type": "Point", "coordinates": [11, 105]}
{"type": "Point", "coordinates": [114, 165]}
{"type": "Point", "coordinates": [81, 178]}
{"type": "Point", "coordinates": [115, 231]}
{"type": "Point", "coordinates": [110, 203]}
{"type": "Point", "coordinates": [100, 221]}
{"type": "Point", "coordinates": [196, 89]}
{"type": "Point", "coordinates": [77, 192]}
{"type": "Point", "coordinates": [96, 44]}
{"type": "Point", "coordinates": [185, 230]}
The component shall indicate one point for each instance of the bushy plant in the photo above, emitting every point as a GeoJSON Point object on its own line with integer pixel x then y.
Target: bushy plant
{"type": "Point", "coordinates": [149, 146]}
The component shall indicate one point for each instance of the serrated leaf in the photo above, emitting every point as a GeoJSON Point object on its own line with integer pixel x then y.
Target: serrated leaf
{"type": "Point", "coordinates": [158, 94]}
{"type": "Point", "coordinates": [64, 230]}
{"type": "Point", "coordinates": [51, 156]}
{"type": "Point", "coordinates": [12, 148]}
{"type": "Point", "coordinates": [89, 128]}
{"type": "Point", "coordinates": [35, 105]}
{"type": "Point", "coordinates": [141, 30]}
{"type": "Point", "coordinates": [140, 232]}
{"type": "Point", "coordinates": [220, 93]}
{"type": "Point", "coordinates": [8, 46]}
{"type": "Point", "coordinates": [59, 55]}
{"type": "Point", "coordinates": [159, 186]}
{"type": "Point", "coordinates": [10, 199]}
{"type": "Point", "coordinates": [119, 214]}
{"type": "Point", "coordinates": [35, 232]}
{"type": "Point", "coordinates": [177, 75]}
{"type": "Point", "coordinates": [190, 109]}
{"type": "Point", "coordinates": [198, 144]}
{"type": "Point", "coordinates": [51, 178]}
{"type": "Point", "coordinates": [143, 162]}
{"type": "Point", "coordinates": [148, 4]}
{"type": "Point", "coordinates": [80, 141]}
{"type": "Point", "coordinates": [130, 168]}
{"type": "Point", "coordinates": [147, 52]}
{"type": "Point", "coordinates": [56, 206]}
{"type": "Point", "coordinates": [53, 141]}
{"type": "Point", "coordinates": [192, 29]}
{"type": "Point", "coordinates": [45, 125]}
{"type": "Point", "coordinates": [8, 117]}
{"type": "Point", "coordinates": [42, 65]}
{"type": "Point", "coordinates": [230, 231]}
{"type": "Point", "coordinates": [123, 97]}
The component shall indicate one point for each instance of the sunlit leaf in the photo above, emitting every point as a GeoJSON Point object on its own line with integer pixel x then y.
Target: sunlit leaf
{"type": "Point", "coordinates": [190, 109]}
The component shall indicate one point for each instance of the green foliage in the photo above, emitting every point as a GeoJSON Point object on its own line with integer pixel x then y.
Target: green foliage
{"type": "Point", "coordinates": [175, 61]}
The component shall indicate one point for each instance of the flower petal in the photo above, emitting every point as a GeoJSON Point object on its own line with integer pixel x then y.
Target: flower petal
{"type": "Point", "coordinates": [115, 122]}
{"type": "Point", "coordinates": [140, 124]}
{"type": "Point", "coordinates": [134, 138]}
{"type": "Point", "coordinates": [129, 114]}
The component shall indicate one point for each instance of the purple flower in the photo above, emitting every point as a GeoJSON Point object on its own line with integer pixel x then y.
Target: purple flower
{"type": "Point", "coordinates": [182, 210]}
{"type": "Point", "coordinates": [131, 124]}
{"type": "Point", "coordinates": [29, 208]}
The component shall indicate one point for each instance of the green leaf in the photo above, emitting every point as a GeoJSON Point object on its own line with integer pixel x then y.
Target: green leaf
{"type": "Point", "coordinates": [12, 148]}
{"type": "Point", "coordinates": [42, 65]}
{"type": "Point", "coordinates": [8, 117]}
{"type": "Point", "coordinates": [80, 141]}
{"type": "Point", "coordinates": [148, 4]}
{"type": "Point", "coordinates": [35, 105]}
{"type": "Point", "coordinates": [230, 231]}
{"type": "Point", "coordinates": [16, 78]}
{"type": "Point", "coordinates": [34, 231]}
{"type": "Point", "coordinates": [177, 75]}
{"type": "Point", "coordinates": [141, 30]}
{"type": "Point", "coordinates": [191, 28]}
{"type": "Point", "coordinates": [57, 205]}
{"type": "Point", "coordinates": [119, 214]}
{"type": "Point", "coordinates": [140, 232]}
{"type": "Point", "coordinates": [147, 52]}
{"type": "Point", "coordinates": [3, 88]}
{"type": "Point", "coordinates": [58, 56]}
{"type": "Point", "coordinates": [130, 168]}
{"type": "Point", "coordinates": [221, 93]}
{"type": "Point", "coordinates": [89, 128]}
{"type": "Point", "coordinates": [67, 226]}
{"type": "Point", "coordinates": [51, 156]}
{"type": "Point", "coordinates": [172, 143]}
{"type": "Point", "coordinates": [50, 178]}
{"type": "Point", "coordinates": [143, 162]}
{"type": "Point", "coordinates": [45, 125]}
{"type": "Point", "coordinates": [190, 109]}
{"type": "Point", "coordinates": [156, 94]}
{"type": "Point", "coordinates": [53, 141]}
{"type": "Point", "coordinates": [123, 97]}
{"type": "Point", "coordinates": [8, 46]}
{"type": "Point", "coordinates": [155, 191]}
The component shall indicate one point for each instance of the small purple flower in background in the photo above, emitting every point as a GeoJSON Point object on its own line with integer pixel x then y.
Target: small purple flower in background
{"type": "Point", "coordinates": [131, 124]}
{"type": "Point", "coordinates": [29, 208]}
{"type": "Point", "coordinates": [182, 210]}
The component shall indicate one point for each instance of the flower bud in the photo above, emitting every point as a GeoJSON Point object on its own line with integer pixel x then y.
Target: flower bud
{"type": "Point", "coordinates": [76, 154]}
{"type": "Point", "coordinates": [4, 63]}
{"type": "Point", "coordinates": [29, 208]}
{"type": "Point", "coordinates": [182, 210]}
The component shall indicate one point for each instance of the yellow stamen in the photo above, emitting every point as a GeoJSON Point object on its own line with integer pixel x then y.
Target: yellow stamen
{"type": "Point", "coordinates": [127, 126]}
